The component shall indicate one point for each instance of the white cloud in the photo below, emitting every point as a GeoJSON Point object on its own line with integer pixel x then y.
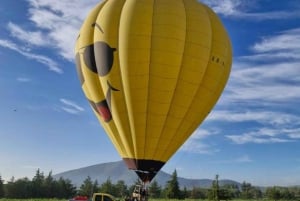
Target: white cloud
{"type": "Point", "coordinates": [70, 110]}
{"type": "Point", "coordinates": [287, 40]}
{"type": "Point", "coordinates": [243, 139]}
{"type": "Point", "coordinates": [198, 147]}
{"type": "Point", "coordinates": [293, 133]}
{"type": "Point", "coordinates": [196, 143]}
{"type": "Point", "coordinates": [241, 9]}
{"type": "Point", "coordinates": [261, 117]}
{"type": "Point", "coordinates": [23, 79]}
{"type": "Point", "coordinates": [52, 65]}
{"type": "Point", "coordinates": [202, 133]}
{"type": "Point", "coordinates": [34, 38]}
{"type": "Point", "coordinates": [271, 74]}
{"type": "Point", "coordinates": [76, 8]}
{"type": "Point", "coordinates": [227, 8]}
{"type": "Point", "coordinates": [60, 22]}
{"type": "Point", "coordinates": [56, 25]}
{"type": "Point", "coordinates": [241, 159]}
{"type": "Point", "coordinates": [262, 136]}
{"type": "Point", "coordinates": [275, 56]}
{"type": "Point", "coordinates": [274, 15]}
{"type": "Point", "coordinates": [267, 126]}
{"type": "Point", "coordinates": [70, 106]}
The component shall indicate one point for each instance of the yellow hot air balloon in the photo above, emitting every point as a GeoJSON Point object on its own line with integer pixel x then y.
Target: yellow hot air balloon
{"type": "Point", "coordinates": [152, 70]}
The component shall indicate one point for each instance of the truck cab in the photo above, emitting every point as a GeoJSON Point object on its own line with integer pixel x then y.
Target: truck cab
{"type": "Point", "coordinates": [103, 197]}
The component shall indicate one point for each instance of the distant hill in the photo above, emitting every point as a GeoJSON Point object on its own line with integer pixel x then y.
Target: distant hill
{"type": "Point", "coordinates": [116, 171]}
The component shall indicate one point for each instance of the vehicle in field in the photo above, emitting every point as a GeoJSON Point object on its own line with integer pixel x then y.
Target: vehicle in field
{"type": "Point", "coordinates": [79, 198]}
{"type": "Point", "coordinates": [95, 197]}
{"type": "Point", "coordinates": [103, 197]}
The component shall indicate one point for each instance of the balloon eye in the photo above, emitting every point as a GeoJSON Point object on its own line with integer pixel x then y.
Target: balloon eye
{"type": "Point", "coordinates": [103, 61]}
{"type": "Point", "coordinates": [89, 58]}
{"type": "Point", "coordinates": [105, 57]}
{"type": "Point", "coordinates": [78, 67]}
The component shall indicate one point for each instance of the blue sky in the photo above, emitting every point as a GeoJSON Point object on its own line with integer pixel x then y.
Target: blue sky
{"type": "Point", "coordinates": [253, 133]}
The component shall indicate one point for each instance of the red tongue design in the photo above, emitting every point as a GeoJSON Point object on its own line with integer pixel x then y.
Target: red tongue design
{"type": "Point", "coordinates": [104, 112]}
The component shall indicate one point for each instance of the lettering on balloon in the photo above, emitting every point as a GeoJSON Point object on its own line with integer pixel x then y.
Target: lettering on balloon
{"type": "Point", "coordinates": [218, 60]}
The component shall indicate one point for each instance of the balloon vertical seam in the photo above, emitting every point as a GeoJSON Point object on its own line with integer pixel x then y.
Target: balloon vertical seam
{"type": "Point", "coordinates": [178, 77]}
{"type": "Point", "coordinates": [148, 94]}
{"type": "Point", "coordinates": [124, 91]}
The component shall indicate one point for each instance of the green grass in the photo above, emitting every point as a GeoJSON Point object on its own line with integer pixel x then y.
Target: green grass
{"type": "Point", "coordinates": [264, 199]}
{"type": "Point", "coordinates": [39, 199]}
{"type": "Point", "coordinates": [33, 199]}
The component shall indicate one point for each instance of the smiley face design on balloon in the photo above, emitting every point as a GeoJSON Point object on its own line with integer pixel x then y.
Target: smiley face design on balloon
{"type": "Point", "coordinates": [98, 58]}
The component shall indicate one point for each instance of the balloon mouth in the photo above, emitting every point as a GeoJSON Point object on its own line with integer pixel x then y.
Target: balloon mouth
{"type": "Point", "coordinates": [145, 169]}
{"type": "Point", "coordinates": [102, 109]}
{"type": "Point", "coordinates": [104, 113]}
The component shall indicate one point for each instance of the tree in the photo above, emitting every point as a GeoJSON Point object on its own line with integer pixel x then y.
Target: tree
{"type": "Point", "coordinates": [37, 185]}
{"type": "Point", "coordinates": [224, 194]}
{"type": "Point", "coordinates": [214, 191]}
{"type": "Point", "coordinates": [184, 193]}
{"type": "Point", "coordinates": [1, 188]}
{"type": "Point", "coordinates": [233, 190]}
{"type": "Point", "coordinates": [121, 189]}
{"type": "Point", "coordinates": [172, 188]}
{"type": "Point", "coordinates": [108, 187]}
{"type": "Point", "coordinates": [255, 193]}
{"type": "Point", "coordinates": [87, 187]}
{"type": "Point", "coordinates": [64, 188]}
{"type": "Point", "coordinates": [246, 190]}
{"type": "Point", "coordinates": [198, 193]}
{"type": "Point", "coordinates": [20, 188]}
{"type": "Point", "coordinates": [154, 190]}
{"type": "Point", "coordinates": [49, 186]}
{"type": "Point", "coordinates": [9, 188]}
{"type": "Point", "coordinates": [95, 186]}
{"type": "Point", "coordinates": [294, 193]}
{"type": "Point", "coordinates": [273, 193]}
{"type": "Point", "coordinates": [287, 194]}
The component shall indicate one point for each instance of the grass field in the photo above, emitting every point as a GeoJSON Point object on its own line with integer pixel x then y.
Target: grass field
{"type": "Point", "coordinates": [4, 199]}
{"type": "Point", "coordinates": [37, 199]}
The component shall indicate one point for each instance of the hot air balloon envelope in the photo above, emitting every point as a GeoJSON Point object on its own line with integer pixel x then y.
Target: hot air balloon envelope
{"type": "Point", "coordinates": [152, 71]}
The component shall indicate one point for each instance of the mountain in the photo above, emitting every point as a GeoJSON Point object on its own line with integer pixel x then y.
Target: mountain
{"type": "Point", "coordinates": [116, 171]}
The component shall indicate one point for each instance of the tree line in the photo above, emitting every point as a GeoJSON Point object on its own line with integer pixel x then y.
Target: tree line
{"type": "Point", "coordinates": [42, 186]}
{"type": "Point", "coordinates": [245, 191]}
